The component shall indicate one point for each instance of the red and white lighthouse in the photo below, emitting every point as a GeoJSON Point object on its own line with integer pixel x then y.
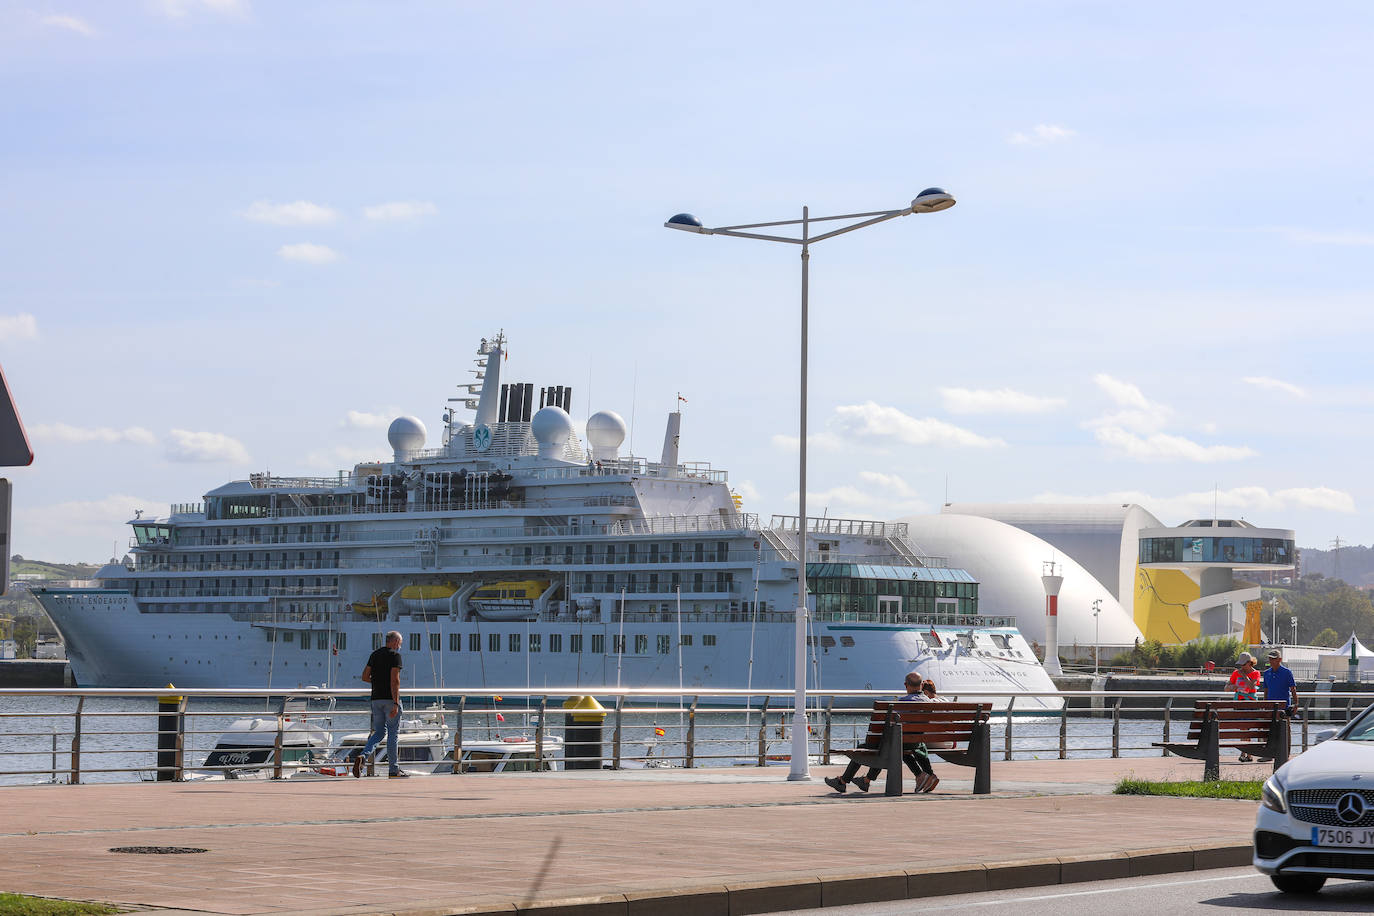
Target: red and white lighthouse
{"type": "Point", "coordinates": [1052, 581]}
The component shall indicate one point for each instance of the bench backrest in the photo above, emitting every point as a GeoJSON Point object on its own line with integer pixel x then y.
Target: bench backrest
{"type": "Point", "coordinates": [927, 723]}
{"type": "Point", "coordinates": [1237, 720]}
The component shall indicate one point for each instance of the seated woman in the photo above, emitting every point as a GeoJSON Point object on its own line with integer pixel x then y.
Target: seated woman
{"type": "Point", "coordinates": [917, 760]}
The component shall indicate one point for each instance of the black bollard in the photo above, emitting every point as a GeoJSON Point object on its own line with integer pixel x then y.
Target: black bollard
{"type": "Point", "coordinates": [169, 744]}
{"type": "Point", "coordinates": [582, 733]}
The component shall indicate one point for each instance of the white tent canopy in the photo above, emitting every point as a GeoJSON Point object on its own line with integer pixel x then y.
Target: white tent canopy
{"type": "Point", "coordinates": [1336, 663]}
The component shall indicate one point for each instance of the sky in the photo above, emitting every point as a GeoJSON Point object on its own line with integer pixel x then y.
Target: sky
{"type": "Point", "coordinates": [239, 236]}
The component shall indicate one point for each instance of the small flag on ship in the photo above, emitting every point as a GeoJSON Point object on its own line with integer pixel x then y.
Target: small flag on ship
{"type": "Point", "coordinates": [500, 718]}
{"type": "Point", "coordinates": [660, 732]}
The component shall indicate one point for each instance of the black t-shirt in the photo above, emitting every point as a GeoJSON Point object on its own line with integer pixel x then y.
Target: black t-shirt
{"type": "Point", "coordinates": [381, 661]}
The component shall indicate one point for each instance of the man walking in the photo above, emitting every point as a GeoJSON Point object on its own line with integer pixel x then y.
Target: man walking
{"type": "Point", "coordinates": [383, 672]}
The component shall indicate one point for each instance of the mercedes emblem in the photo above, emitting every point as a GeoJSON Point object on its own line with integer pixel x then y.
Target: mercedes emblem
{"type": "Point", "coordinates": [1350, 808]}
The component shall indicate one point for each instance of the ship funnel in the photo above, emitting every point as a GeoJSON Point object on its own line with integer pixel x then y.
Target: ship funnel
{"type": "Point", "coordinates": [670, 438]}
{"type": "Point", "coordinates": [491, 385]}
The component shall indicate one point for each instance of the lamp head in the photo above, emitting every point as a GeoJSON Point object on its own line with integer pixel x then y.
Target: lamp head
{"type": "Point", "coordinates": [932, 200]}
{"type": "Point", "coordinates": [687, 223]}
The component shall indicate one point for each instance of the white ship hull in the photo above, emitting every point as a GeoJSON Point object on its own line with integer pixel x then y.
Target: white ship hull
{"type": "Point", "coordinates": [110, 643]}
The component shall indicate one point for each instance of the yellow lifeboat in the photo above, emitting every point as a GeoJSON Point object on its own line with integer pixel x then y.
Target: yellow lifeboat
{"type": "Point", "coordinates": [375, 608]}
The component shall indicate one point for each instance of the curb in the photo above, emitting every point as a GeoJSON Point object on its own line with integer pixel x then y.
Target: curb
{"type": "Point", "coordinates": [771, 896]}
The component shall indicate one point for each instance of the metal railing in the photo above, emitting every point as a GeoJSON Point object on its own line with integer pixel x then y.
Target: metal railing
{"type": "Point", "coordinates": [80, 735]}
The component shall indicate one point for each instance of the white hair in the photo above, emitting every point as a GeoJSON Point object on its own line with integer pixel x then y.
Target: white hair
{"type": "Point", "coordinates": [393, 634]}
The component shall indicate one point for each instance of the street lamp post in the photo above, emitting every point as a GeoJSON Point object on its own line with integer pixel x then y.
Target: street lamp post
{"type": "Point", "coordinates": [1294, 621]}
{"type": "Point", "coordinates": [1097, 631]}
{"type": "Point", "coordinates": [1274, 618]}
{"type": "Point", "coordinates": [931, 200]}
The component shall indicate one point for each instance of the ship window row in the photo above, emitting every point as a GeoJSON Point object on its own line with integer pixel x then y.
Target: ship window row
{"type": "Point", "coordinates": [297, 559]}
{"type": "Point", "coordinates": [230, 588]}
{"type": "Point", "coordinates": [896, 587]}
{"type": "Point", "coordinates": [514, 642]}
{"type": "Point", "coordinates": [655, 583]}
{"type": "Point", "coordinates": [332, 640]}
{"type": "Point", "coordinates": [890, 609]}
{"type": "Point", "coordinates": [225, 536]}
{"type": "Point", "coordinates": [1209, 549]}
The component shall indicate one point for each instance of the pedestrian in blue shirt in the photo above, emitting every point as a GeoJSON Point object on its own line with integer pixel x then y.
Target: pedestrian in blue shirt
{"type": "Point", "coordinates": [1279, 683]}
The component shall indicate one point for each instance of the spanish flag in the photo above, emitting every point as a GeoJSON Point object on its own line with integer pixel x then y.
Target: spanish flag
{"type": "Point", "coordinates": [659, 732]}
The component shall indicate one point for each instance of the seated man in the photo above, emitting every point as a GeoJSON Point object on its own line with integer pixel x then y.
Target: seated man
{"type": "Point", "coordinates": [916, 760]}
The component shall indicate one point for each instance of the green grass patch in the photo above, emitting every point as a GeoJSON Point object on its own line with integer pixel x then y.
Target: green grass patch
{"type": "Point", "coordinates": [19, 905]}
{"type": "Point", "coordinates": [1244, 789]}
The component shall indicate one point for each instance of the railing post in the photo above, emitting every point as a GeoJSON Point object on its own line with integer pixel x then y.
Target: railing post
{"type": "Point", "coordinates": [1306, 714]}
{"type": "Point", "coordinates": [763, 733]}
{"type": "Point", "coordinates": [825, 734]}
{"type": "Point", "coordinates": [615, 734]}
{"type": "Point", "coordinates": [181, 740]}
{"type": "Point", "coordinates": [276, 750]}
{"type": "Point", "coordinates": [539, 736]}
{"type": "Point", "coordinates": [75, 777]}
{"type": "Point", "coordinates": [1116, 727]}
{"type": "Point", "coordinates": [458, 766]}
{"type": "Point", "coordinates": [690, 751]}
{"type": "Point", "coordinates": [1006, 754]}
{"type": "Point", "coordinates": [1064, 731]}
{"type": "Point", "coordinates": [1168, 707]}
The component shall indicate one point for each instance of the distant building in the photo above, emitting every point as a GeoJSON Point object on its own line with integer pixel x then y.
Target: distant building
{"type": "Point", "coordinates": [1174, 583]}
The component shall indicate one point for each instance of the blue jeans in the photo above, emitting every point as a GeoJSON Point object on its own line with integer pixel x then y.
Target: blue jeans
{"type": "Point", "coordinates": [384, 723]}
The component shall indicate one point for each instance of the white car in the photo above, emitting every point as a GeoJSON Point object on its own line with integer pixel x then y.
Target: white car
{"type": "Point", "coordinates": [1316, 816]}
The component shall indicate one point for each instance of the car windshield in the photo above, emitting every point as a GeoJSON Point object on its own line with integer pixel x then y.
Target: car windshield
{"type": "Point", "coordinates": [1362, 729]}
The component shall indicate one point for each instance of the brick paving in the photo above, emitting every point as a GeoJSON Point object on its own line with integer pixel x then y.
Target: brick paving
{"type": "Point", "coordinates": [276, 847]}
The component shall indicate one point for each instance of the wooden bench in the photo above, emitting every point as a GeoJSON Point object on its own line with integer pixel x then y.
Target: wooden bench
{"type": "Point", "coordinates": [957, 732]}
{"type": "Point", "coordinates": [1255, 727]}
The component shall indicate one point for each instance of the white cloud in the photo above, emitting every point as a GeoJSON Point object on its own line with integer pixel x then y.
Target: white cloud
{"type": "Point", "coordinates": [874, 422]}
{"type": "Point", "coordinates": [298, 213]}
{"type": "Point", "coordinates": [1273, 384]}
{"type": "Point", "coordinates": [1164, 447]}
{"type": "Point", "coordinates": [178, 9]}
{"type": "Point", "coordinates": [70, 23]}
{"type": "Point", "coordinates": [1041, 135]}
{"type": "Point", "coordinates": [1123, 394]}
{"type": "Point", "coordinates": [1137, 430]}
{"type": "Point", "coordinates": [999, 400]}
{"type": "Point", "coordinates": [18, 327]}
{"type": "Point", "coordinates": [875, 495]}
{"type": "Point", "coordinates": [205, 447]}
{"type": "Point", "coordinates": [1235, 502]}
{"type": "Point", "coordinates": [61, 432]}
{"type": "Point", "coordinates": [357, 419]}
{"type": "Point", "coordinates": [400, 210]}
{"type": "Point", "coordinates": [308, 253]}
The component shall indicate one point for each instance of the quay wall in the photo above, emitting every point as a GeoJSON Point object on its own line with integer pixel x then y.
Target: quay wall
{"type": "Point", "coordinates": [36, 672]}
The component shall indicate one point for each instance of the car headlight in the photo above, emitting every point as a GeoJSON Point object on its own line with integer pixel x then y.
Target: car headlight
{"type": "Point", "coordinates": [1271, 796]}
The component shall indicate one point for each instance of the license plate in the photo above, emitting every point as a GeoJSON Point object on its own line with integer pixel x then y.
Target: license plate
{"type": "Point", "coordinates": [1343, 836]}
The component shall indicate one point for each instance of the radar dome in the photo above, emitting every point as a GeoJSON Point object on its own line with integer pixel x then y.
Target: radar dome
{"type": "Point", "coordinates": [406, 434]}
{"type": "Point", "coordinates": [552, 427]}
{"type": "Point", "coordinates": [605, 433]}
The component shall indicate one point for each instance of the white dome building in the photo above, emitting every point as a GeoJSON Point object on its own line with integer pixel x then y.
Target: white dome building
{"type": "Point", "coordinates": [1008, 563]}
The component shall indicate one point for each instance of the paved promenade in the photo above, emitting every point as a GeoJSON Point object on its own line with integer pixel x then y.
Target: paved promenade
{"type": "Point", "coordinates": [655, 841]}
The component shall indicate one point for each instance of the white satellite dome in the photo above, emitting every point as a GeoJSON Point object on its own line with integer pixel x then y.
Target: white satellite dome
{"type": "Point", "coordinates": [1006, 561]}
{"type": "Point", "coordinates": [552, 428]}
{"type": "Point", "coordinates": [406, 434]}
{"type": "Point", "coordinates": [605, 433]}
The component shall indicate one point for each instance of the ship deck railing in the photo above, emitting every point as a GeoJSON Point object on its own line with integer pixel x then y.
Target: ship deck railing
{"type": "Point", "coordinates": [78, 735]}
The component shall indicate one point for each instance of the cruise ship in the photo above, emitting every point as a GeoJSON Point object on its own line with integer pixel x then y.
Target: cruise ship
{"type": "Point", "coordinates": [518, 554]}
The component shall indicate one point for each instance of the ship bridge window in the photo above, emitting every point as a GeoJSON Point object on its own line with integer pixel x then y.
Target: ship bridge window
{"type": "Point", "coordinates": [827, 642]}
{"type": "Point", "coordinates": [708, 639]}
{"type": "Point", "coordinates": [455, 642]}
{"type": "Point", "coordinates": [493, 642]}
{"type": "Point", "coordinates": [435, 642]}
{"type": "Point", "coordinates": [474, 642]}
{"type": "Point", "coordinates": [415, 642]}
{"type": "Point", "coordinates": [966, 640]}
{"type": "Point", "coordinates": [534, 642]}
{"type": "Point", "coordinates": [555, 642]}
{"type": "Point", "coordinates": [1000, 641]}
{"type": "Point", "coordinates": [846, 641]}
{"type": "Point", "coordinates": [513, 642]}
